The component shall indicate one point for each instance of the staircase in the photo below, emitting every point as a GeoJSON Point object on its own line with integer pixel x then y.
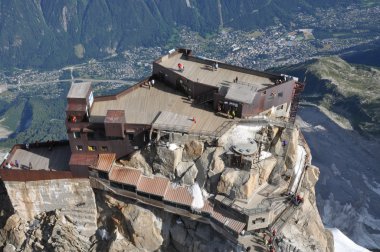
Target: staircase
{"type": "Point", "coordinates": [295, 101]}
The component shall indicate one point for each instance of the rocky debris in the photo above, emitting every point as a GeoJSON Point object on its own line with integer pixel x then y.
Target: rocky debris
{"type": "Point", "coordinates": [144, 228]}
{"type": "Point", "coordinates": [137, 160]}
{"type": "Point", "coordinates": [237, 183]}
{"type": "Point", "coordinates": [13, 232]}
{"type": "Point", "coordinates": [47, 232]}
{"type": "Point", "coordinates": [189, 236]}
{"type": "Point", "coordinates": [192, 150]}
{"type": "Point", "coordinates": [167, 159]}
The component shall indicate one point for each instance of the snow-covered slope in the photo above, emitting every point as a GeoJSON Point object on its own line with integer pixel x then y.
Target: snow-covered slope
{"type": "Point", "coordinates": [348, 190]}
{"type": "Point", "coordinates": [343, 244]}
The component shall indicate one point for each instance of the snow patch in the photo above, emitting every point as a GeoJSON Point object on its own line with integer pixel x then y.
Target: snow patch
{"type": "Point", "coordinates": [298, 167]}
{"type": "Point", "coordinates": [343, 244]}
{"type": "Point", "coordinates": [196, 193]}
{"type": "Point", "coordinates": [265, 155]}
{"type": "Point", "coordinates": [173, 146]}
{"type": "Point", "coordinates": [242, 134]}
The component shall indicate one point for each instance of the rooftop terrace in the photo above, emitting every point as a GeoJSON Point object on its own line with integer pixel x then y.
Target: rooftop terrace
{"type": "Point", "coordinates": [41, 158]}
{"type": "Point", "coordinates": [143, 105]}
{"type": "Point", "coordinates": [199, 70]}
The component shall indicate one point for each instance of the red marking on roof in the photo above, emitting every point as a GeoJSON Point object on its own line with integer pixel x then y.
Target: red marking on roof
{"type": "Point", "coordinates": [227, 221]}
{"type": "Point", "coordinates": [179, 195]}
{"type": "Point", "coordinates": [125, 175]}
{"type": "Point", "coordinates": [33, 175]}
{"type": "Point", "coordinates": [105, 162]}
{"type": "Point", "coordinates": [155, 186]}
{"type": "Point", "coordinates": [83, 159]}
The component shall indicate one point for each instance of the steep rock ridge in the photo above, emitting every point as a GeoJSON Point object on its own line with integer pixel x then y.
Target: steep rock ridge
{"type": "Point", "coordinates": [305, 229]}
{"type": "Point", "coordinates": [348, 94]}
{"type": "Point", "coordinates": [74, 197]}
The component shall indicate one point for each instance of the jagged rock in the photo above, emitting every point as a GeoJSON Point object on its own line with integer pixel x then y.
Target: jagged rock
{"type": "Point", "coordinates": [190, 175]}
{"type": "Point", "coordinates": [266, 166]}
{"type": "Point", "coordinates": [142, 226]}
{"type": "Point", "coordinates": [183, 167]}
{"type": "Point", "coordinates": [138, 161]}
{"type": "Point", "coordinates": [9, 248]}
{"type": "Point", "coordinates": [120, 244]}
{"type": "Point", "coordinates": [237, 183]}
{"type": "Point", "coordinates": [292, 150]}
{"type": "Point", "coordinates": [203, 164]}
{"type": "Point", "coordinates": [218, 163]}
{"type": "Point", "coordinates": [13, 232]}
{"type": "Point", "coordinates": [167, 160]}
{"type": "Point", "coordinates": [192, 150]}
{"type": "Point", "coordinates": [305, 228]}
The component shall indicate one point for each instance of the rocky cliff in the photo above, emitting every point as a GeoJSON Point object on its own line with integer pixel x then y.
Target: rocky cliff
{"type": "Point", "coordinates": [65, 215]}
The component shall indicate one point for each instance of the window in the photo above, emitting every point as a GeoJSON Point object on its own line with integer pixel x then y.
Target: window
{"type": "Point", "coordinates": [79, 147]}
{"type": "Point", "coordinates": [76, 134]}
{"type": "Point", "coordinates": [264, 92]}
{"type": "Point", "coordinates": [104, 148]}
{"type": "Point", "coordinates": [280, 94]}
{"type": "Point", "coordinates": [131, 136]}
{"type": "Point", "coordinates": [92, 148]}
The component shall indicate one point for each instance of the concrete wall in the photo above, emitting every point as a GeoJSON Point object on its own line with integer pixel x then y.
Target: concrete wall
{"type": "Point", "coordinates": [74, 197]}
{"type": "Point", "coordinates": [259, 220]}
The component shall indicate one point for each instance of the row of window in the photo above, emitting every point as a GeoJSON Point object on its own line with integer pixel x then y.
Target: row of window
{"type": "Point", "coordinates": [92, 148]}
{"type": "Point", "coordinates": [92, 136]}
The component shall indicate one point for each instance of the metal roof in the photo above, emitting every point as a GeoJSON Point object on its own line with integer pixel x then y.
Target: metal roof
{"type": "Point", "coordinates": [171, 121]}
{"type": "Point", "coordinates": [241, 93]}
{"type": "Point", "coordinates": [155, 186]}
{"type": "Point", "coordinates": [79, 90]}
{"type": "Point", "coordinates": [228, 221]}
{"type": "Point", "coordinates": [124, 175]}
{"type": "Point", "coordinates": [179, 195]}
{"type": "Point", "coordinates": [105, 161]}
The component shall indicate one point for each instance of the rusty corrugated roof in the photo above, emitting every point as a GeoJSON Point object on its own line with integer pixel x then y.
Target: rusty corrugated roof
{"type": "Point", "coordinates": [33, 175]}
{"type": "Point", "coordinates": [223, 218]}
{"type": "Point", "coordinates": [105, 162]}
{"type": "Point", "coordinates": [179, 195]}
{"type": "Point", "coordinates": [208, 207]}
{"type": "Point", "coordinates": [155, 186]}
{"type": "Point", "coordinates": [83, 159]}
{"type": "Point", "coordinates": [124, 175]}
